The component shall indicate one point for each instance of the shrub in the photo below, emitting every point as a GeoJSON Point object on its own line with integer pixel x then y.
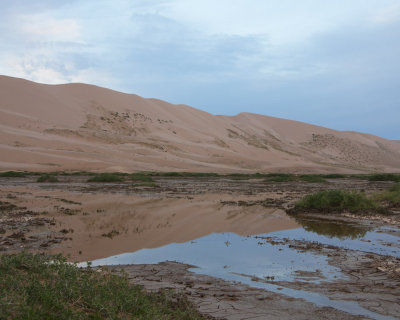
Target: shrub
{"type": "Point", "coordinates": [335, 200]}
{"type": "Point", "coordinates": [141, 177]}
{"type": "Point", "coordinates": [311, 178]}
{"type": "Point", "coordinates": [384, 177]}
{"type": "Point", "coordinates": [106, 177]}
{"type": "Point", "coordinates": [280, 177]}
{"type": "Point", "coordinates": [334, 176]}
{"type": "Point", "coordinates": [15, 174]}
{"type": "Point", "coordinates": [392, 195]}
{"type": "Point", "coordinates": [47, 178]}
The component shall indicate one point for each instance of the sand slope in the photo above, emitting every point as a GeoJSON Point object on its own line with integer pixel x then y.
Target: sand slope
{"type": "Point", "coordinates": [84, 127]}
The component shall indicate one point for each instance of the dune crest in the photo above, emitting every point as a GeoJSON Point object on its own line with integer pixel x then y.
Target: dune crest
{"type": "Point", "coordinates": [85, 127]}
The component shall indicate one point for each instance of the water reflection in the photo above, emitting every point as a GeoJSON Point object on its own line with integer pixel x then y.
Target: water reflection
{"type": "Point", "coordinates": [259, 263]}
{"type": "Point", "coordinates": [333, 229]}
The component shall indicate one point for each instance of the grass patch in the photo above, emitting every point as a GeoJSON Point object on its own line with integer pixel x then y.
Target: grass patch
{"type": "Point", "coordinates": [184, 174]}
{"type": "Point", "coordinates": [391, 196]}
{"type": "Point", "coordinates": [384, 177]}
{"type": "Point", "coordinates": [280, 177]}
{"type": "Point", "coordinates": [12, 174]}
{"type": "Point", "coordinates": [311, 178]}
{"type": "Point", "coordinates": [143, 177]}
{"type": "Point", "coordinates": [107, 177]}
{"type": "Point", "coordinates": [34, 286]}
{"type": "Point", "coordinates": [334, 176]}
{"type": "Point", "coordinates": [46, 177]}
{"type": "Point", "coordinates": [287, 177]}
{"type": "Point", "coordinates": [335, 201]}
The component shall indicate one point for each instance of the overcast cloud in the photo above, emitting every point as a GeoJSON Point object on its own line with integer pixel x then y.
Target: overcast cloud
{"type": "Point", "coordinates": [331, 63]}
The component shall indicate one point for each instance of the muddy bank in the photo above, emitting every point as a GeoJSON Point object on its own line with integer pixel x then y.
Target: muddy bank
{"type": "Point", "coordinates": [372, 280]}
{"type": "Point", "coordinates": [225, 300]}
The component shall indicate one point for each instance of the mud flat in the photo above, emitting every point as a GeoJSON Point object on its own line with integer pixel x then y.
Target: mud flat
{"type": "Point", "coordinates": [229, 244]}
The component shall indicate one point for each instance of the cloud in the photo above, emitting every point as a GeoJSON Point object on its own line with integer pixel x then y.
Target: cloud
{"type": "Point", "coordinates": [387, 14]}
{"type": "Point", "coordinates": [42, 28]}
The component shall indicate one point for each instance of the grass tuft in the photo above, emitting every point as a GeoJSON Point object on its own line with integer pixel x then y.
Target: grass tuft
{"type": "Point", "coordinates": [335, 201]}
{"type": "Point", "coordinates": [280, 177]}
{"type": "Point", "coordinates": [311, 178]}
{"type": "Point", "coordinates": [12, 174]}
{"type": "Point", "coordinates": [391, 196]}
{"type": "Point", "coordinates": [46, 177]}
{"type": "Point", "coordinates": [35, 286]}
{"type": "Point", "coordinates": [384, 177]}
{"type": "Point", "coordinates": [334, 176]}
{"type": "Point", "coordinates": [107, 177]}
{"type": "Point", "coordinates": [143, 177]}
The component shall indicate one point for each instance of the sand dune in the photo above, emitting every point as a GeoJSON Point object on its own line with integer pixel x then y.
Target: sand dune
{"type": "Point", "coordinates": [84, 127]}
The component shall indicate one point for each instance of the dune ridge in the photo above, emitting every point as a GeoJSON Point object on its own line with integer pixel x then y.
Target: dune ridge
{"type": "Point", "coordinates": [85, 127]}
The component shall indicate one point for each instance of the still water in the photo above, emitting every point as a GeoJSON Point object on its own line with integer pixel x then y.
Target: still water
{"type": "Point", "coordinates": [247, 259]}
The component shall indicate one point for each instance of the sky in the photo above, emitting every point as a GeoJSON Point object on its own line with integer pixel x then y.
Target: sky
{"type": "Point", "coordinates": [330, 63]}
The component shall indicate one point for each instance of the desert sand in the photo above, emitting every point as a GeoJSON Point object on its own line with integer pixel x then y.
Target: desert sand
{"type": "Point", "coordinates": [84, 127]}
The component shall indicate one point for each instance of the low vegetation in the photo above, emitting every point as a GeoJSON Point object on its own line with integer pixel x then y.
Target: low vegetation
{"type": "Point", "coordinates": [107, 177]}
{"type": "Point", "coordinates": [183, 174]}
{"type": "Point", "coordinates": [141, 177]}
{"type": "Point", "coordinates": [35, 286]}
{"type": "Point", "coordinates": [334, 176]}
{"type": "Point", "coordinates": [311, 178]}
{"type": "Point", "coordinates": [390, 196]}
{"type": "Point", "coordinates": [287, 177]}
{"type": "Point", "coordinates": [47, 177]}
{"type": "Point", "coordinates": [336, 201]}
{"type": "Point", "coordinates": [384, 177]}
{"type": "Point", "coordinates": [12, 174]}
{"type": "Point", "coordinates": [147, 176]}
{"type": "Point", "coordinates": [280, 177]}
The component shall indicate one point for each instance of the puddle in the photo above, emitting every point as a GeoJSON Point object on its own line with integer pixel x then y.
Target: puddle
{"type": "Point", "coordinates": [252, 260]}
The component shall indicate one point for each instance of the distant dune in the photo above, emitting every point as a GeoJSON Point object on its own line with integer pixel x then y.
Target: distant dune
{"type": "Point", "coordinates": [84, 127]}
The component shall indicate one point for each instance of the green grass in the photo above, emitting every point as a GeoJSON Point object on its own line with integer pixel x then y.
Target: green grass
{"type": "Point", "coordinates": [46, 177]}
{"type": "Point", "coordinates": [107, 177]}
{"type": "Point", "coordinates": [184, 174]}
{"type": "Point", "coordinates": [287, 177]}
{"type": "Point", "coordinates": [391, 196]}
{"type": "Point", "coordinates": [335, 201]}
{"type": "Point", "coordinates": [12, 174]}
{"type": "Point", "coordinates": [34, 286]}
{"type": "Point", "coordinates": [311, 178]}
{"type": "Point", "coordinates": [280, 177]}
{"type": "Point", "coordinates": [334, 176]}
{"type": "Point", "coordinates": [384, 177]}
{"type": "Point", "coordinates": [143, 177]}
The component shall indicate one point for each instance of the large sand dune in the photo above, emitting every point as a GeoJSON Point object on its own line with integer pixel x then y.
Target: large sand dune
{"type": "Point", "coordinates": [84, 127]}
